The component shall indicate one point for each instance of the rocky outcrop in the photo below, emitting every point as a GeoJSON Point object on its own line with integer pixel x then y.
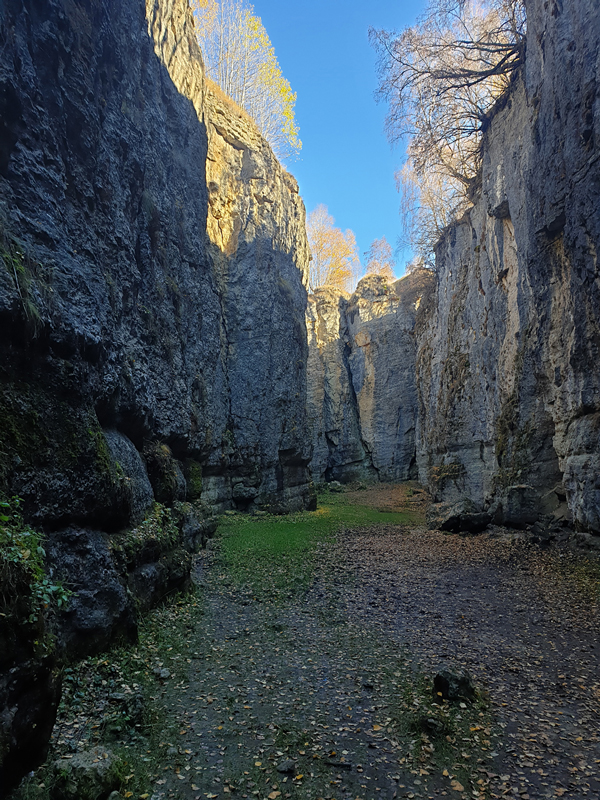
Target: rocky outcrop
{"type": "Point", "coordinates": [152, 307]}
{"type": "Point", "coordinates": [362, 392]}
{"type": "Point", "coordinates": [258, 251]}
{"type": "Point", "coordinates": [30, 685]}
{"type": "Point", "coordinates": [382, 322]}
{"type": "Point", "coordinates": [338, 449]}
{"type": "Point", "coordinates": [507, 366]}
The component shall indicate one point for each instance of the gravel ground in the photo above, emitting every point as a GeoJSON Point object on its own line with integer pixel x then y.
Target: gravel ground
{"type": "Point", "coordinates": [310, 673]}
{"type": "Point", "coordinates": [325, 691]}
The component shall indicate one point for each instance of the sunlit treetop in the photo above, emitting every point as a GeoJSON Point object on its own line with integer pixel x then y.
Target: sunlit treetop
{"type": "Point", "coordinates": [240, 58]}
{"type": "Point", "coordinates": [441, 80]}
{"type": "Point", "coordinates": [334, 253]}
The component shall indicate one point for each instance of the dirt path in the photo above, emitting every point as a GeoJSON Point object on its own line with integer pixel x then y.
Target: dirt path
{"type": "Point", "coordinates": [318, 693]}
{"type": "Point", "coordinates": [304, 680]}
{"type": "Point", "coordinates": [522, 621]}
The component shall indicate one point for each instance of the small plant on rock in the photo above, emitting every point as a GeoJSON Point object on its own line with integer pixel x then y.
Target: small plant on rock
{"type": "Point", "coordinates": [22, 570]}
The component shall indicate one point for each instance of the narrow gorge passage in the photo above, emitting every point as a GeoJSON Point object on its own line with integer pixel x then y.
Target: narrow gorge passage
{"type": "Point", "coordinates": [314, 679]}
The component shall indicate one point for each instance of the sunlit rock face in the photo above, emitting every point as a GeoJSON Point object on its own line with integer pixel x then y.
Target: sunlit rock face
{"type": "Point", "coordinates": [508, 364]}
{"type": "Point", "coordinates": [152, 309]}
{"type": "Point", "coordinates": [361, 377]}
{"type": "Point", "coordinates": [258, 252]}
{"type": "Point", "coordinates": [381, 322]}
{"type": "Point", "coordinates": [338, 450]}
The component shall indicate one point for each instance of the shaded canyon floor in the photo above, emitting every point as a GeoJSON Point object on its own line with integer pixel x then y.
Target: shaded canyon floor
{"type": "Point", "coordinates": [301, 666]}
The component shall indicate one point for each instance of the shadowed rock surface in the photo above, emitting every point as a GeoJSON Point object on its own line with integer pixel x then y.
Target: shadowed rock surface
{"type": "Point", "coordinates": [338, 450]}
{"type": "Point", "coordinates": [152, 316]}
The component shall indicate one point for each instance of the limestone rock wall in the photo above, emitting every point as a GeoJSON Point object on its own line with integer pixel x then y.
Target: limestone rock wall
{"type": "Point", "coordinates": [507, 366]}
{"type": "Point", "coordinates": [152, 315]}
{"type": "Point", "coordinates": [157, 284]}
{"type": "Point", "coordinates": [338, 450]}
{"type": "Point", "coordinates": [382, 322]}
{"type": "Point", "coordinates": [362, 391]}
{"type": "Point", "coordinates": [259, 252]}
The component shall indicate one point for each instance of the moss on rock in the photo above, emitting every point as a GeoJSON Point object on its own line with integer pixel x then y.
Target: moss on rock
{"type": "Point", "coordinates": [54, 454]}
{"type": "Point", "coordinates": [193, 475]}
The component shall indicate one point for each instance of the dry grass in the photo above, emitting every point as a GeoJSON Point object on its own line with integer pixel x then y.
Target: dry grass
{"type": "Point", "coordinates": [213, 89]}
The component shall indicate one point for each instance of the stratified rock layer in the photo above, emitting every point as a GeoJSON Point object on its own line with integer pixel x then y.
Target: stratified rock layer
{"type": "Point", "coordinates": [152, 309]}
{"type": "Point", "coordinates": [508, 362]}
{"type": "Point", "coordinates": [362, 394]}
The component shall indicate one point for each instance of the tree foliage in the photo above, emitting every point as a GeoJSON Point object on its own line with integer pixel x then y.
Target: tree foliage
{"type": "Point", "coordinates": [441, 80]}
{"type": "Point", "coordinates": [240, 58]}
{"type": "Point", "coordinates": [380, 259]}
{"type": "Point", "coordinates": [335, 260]}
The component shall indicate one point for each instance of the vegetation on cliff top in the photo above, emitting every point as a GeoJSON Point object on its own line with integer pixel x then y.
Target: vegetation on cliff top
{"type": "Point", "coordinates": [334, 254]}
{"type": "Point", "coordinates": [441, 80]}
{"type": "Point", "coordinates": [240, 58]}
{"type": "Point", "coordinates": [380, 259]}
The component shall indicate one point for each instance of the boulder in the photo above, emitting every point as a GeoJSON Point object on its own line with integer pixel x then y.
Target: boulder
{"type": "Point", "coordinates": [91, 775]}
{"type": "Point", "coordinates": [100, 610]}
{"type": "Point", "coordinates": [520, 506]}
{"type": "Point", "coordinates": [460, 517]}
{"type": "Point", "coordinates": [453, 686]}
{"type": "Point", "coordinates": [164, 473]}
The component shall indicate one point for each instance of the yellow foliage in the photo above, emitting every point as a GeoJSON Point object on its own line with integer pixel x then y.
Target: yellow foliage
{"type": "Point", "coordinates": [334, 252]}
{"type": "Point", "coordinates": [240, 58]}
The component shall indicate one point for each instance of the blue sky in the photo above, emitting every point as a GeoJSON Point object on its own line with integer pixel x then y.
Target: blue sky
{"type": "Point", "coordinates": [346, 162]}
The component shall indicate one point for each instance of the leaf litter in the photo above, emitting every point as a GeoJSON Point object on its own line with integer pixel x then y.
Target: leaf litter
{"type": "Point", "coordinates": [263, 684]}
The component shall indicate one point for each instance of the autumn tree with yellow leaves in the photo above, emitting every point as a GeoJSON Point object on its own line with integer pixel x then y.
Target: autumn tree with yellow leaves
{"type": "Point", "coordinates": [240, 58]}
{"type": "Point", "coordinates": [335, 261]}
{"type": "Point", "coordinates": [380, 259]}
{"type": "Point", "coordinates": [442, 79]}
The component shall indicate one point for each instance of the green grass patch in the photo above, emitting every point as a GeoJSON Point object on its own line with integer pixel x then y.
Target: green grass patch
{"type": "Point", "coordinates": [276, 554]}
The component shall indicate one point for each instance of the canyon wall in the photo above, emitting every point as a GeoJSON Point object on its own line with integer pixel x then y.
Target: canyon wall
{"type": "Point", "coordinates": [494, 385]}
{"type": "Point", "coordinates": [362, 396]}
{"type": "Point", "coordinates": [508, 361]}
{"type": "Point", "coordinates": [152, 318]}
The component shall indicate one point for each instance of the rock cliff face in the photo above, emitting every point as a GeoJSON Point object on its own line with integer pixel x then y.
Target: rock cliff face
{"type": "Point", "coordinates": [508, 362]}
{"type": "Point", "coordinates": [152, 312]}
{"type": "Point", "coordinates": [160, 291]}
{"type": "Point", "coordinates": [362, 391]}
{"type": "Point", "coordinates": [258, 251]}
{"type": "Point", "coordinates": [505, 404]}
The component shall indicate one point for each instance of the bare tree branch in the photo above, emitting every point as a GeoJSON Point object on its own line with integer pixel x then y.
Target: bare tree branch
{"type": "Point", "coordinates": [441, 79]}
